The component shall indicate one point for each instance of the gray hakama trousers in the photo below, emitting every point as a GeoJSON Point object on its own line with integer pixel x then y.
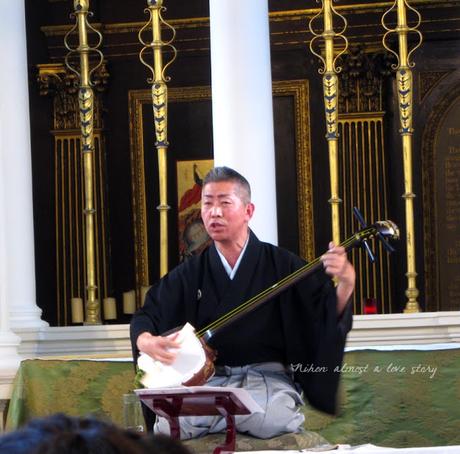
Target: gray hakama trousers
{"type": "Point", "coordinates": [269, 384]}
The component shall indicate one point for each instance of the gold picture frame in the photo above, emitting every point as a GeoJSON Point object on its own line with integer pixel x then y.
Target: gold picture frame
{"type": "Point", "coordinates": [297, 90]}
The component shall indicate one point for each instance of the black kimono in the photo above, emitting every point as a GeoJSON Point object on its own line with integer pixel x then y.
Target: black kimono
{"type": "Point", "coordinates": [299, 327]}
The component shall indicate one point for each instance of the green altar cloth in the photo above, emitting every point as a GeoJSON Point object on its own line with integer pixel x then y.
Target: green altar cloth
{"type": "Point", "coordinates": [397, 399]}
{"type": "Point", "coordinates": [391, 398]}
{"type": "Point", "coordinates": [74, 387]}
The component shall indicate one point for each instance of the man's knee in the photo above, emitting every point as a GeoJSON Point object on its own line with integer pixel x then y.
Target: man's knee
{"type": "Point", "coordinates": [260, 426]}
{"type": "Point", "coordinates": [282, 415]}
{"type": "Point", "coordinates": [267, 430]}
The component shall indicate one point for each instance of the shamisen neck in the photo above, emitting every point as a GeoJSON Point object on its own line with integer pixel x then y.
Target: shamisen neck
{"type": "Point", "coordinates": [383, 228]}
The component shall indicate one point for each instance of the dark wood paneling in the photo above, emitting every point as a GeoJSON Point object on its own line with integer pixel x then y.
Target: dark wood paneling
{"type": "Point", "coordinates": [291, 59]}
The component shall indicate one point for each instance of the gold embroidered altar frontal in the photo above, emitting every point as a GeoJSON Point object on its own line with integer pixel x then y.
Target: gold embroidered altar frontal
{"type": "Point", "coordinates": [396, 398]}
{"type": "Point", "coordinates": [74, 387]}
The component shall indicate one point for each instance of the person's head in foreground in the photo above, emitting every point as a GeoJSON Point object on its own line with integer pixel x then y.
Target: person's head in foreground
{"type": "Point", "coordinates": [58, 434]}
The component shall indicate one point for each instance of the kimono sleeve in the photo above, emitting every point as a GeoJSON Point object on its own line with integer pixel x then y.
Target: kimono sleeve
{"type": "Point", "coordinates": [169, 304]}
{"type": "Point", "coordinates": [316, 352]}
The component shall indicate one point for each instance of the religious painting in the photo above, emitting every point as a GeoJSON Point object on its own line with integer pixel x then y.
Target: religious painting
{"type": "Point", "coordinates": [192, 233]}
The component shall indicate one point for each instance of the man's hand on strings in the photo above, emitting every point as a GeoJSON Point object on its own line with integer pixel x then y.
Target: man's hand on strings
{"type": "Point", "coordinates": [337, 265]}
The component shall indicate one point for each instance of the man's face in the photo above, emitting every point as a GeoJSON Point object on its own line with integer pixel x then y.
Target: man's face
{"type": "Point", "coordinates": [224, 214]}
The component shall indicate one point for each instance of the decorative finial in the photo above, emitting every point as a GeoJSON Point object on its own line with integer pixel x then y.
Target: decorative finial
{"type": "Point", "coordinates": [81, 5]}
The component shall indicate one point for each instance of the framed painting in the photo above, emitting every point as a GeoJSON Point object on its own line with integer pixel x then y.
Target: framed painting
{"type": "Point", "coordinates": [190, 156]}
{"type": "Point", "coordinates": [192, 236]}
{"type": "Point", "coordinates": [190, 138]}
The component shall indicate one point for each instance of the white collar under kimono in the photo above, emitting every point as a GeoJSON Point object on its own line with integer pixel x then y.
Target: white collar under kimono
{"type": "Point", "coordinates": [231, 272]}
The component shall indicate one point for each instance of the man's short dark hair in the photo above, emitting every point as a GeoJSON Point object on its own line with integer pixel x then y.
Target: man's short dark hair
{"type": "Point", "coordinates": [219, 174]}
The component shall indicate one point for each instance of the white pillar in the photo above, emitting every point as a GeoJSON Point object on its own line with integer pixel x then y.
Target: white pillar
{"type": "Point", "coordinates": [9, 342]}
{"type": "Point", "coordinates": [242, 109]}
{"type": "Point", "coordinates": [15, 154]}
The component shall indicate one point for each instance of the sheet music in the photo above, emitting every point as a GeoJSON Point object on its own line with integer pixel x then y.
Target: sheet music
{"type": "Point", "coordinates": [244, 397]}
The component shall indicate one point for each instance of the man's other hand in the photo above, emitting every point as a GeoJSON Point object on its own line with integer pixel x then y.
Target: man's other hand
{"type": "Point", "coordinates": [337, 265]}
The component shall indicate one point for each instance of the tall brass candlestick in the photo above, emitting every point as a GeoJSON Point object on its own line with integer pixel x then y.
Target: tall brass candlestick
{"type": "Point", "coordinates": [86, 105]}
{"type": "Point", "coordinates": [331, 93]}
{"type": "Point", "coordinates": [160, 112]}
{"type": "Point", "coordinates": [404, 83]}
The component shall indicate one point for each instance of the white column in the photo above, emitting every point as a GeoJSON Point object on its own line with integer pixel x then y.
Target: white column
{"type": "Point", "coordinates": [9, 342]}
{"type": "Point", "coordinates": [15, 154]}
{"type": "Point", "coordinates": [242, 109]}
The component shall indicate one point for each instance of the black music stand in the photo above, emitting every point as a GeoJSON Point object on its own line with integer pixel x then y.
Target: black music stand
{"type": "Point", "coordinates": [200, 401]}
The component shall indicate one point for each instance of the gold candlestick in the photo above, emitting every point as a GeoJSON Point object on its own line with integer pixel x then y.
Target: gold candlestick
{"type": "Point", "coordinates": [331, 91]}
{"type": "Point", "coordinates": [86, 105]}
{"type": "Point", "coordinates": [160, 112]}
{"type": "Point", "coordinates": [404, 83]}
